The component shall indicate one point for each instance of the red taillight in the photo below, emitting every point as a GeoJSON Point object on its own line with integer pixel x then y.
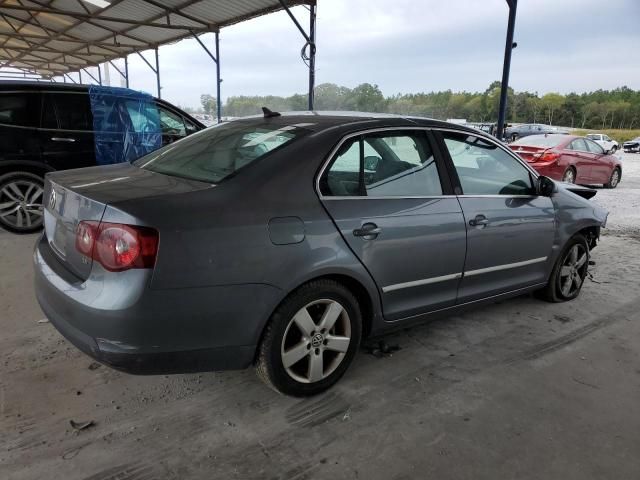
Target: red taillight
{"type": "Point", "coordinates": [116, 246]}
{"type": "Point", "coordinates": [548, 157]}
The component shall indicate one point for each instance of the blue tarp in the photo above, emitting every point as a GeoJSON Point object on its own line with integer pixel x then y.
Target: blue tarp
{"type": "Point", "coordinates": [126, 124]}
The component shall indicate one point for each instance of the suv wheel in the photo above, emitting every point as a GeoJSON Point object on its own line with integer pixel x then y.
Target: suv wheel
{"type": "Point", "coordinates": [21, 202]}
{"type": "Point", "coordinates": [569, 272]}
{"type": "Point", "coordinates": [311, 339]}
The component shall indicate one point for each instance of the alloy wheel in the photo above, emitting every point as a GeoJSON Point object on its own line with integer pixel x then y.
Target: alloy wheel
{"type": "Point", "coordinates": [573, 271]}
{"type": "Point", "coordinates": [21, 204]}
{"type": "Point", "coordinates": [315, 341]}
{"type": "Point", "coordinates": [569, 176]}
{"type": "Point", "coordinates": [615, 178]}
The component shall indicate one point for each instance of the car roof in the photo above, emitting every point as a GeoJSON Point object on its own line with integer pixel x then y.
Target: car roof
{"type": "Point", "coordinates": [323, 120]}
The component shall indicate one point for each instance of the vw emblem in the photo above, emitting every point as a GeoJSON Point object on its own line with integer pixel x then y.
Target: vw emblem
{"type": "Point", "coordinates": [53, 198]}
{"type": "Point", "coordinates": [317, 340]}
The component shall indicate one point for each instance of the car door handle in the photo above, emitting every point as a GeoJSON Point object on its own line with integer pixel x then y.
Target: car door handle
{"type": "Point", "coordinates": [368, 231]}
{"type": "Point", "coordinates": [63, 139]}
{"type": "Point", "coordinates": [479, 221]}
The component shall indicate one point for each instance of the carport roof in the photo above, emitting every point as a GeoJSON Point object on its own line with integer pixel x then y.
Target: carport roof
{"type": "Point", "coordinates": [53, 37]}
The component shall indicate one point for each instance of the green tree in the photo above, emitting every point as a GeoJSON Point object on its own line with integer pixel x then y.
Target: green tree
{"type": "Point", "coordinates": [209, 104]}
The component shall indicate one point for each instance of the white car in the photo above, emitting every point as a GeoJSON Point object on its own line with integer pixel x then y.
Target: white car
{"type": "Point", "coordinates": [604, 141]}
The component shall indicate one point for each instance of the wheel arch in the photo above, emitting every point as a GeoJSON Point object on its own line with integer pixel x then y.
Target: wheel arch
{"type": "Point", "coordinates": [29, 166]}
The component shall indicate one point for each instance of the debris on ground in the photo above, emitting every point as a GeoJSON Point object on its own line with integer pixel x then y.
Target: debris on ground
{"type": "Point", "coordinates": [43, 320]}
{"type": "Point", "coordinates": [94, 366]}
{"type": "Point", "coordinates": [81, 425]}
{"type": "Point", "coordinates": [381, 349]}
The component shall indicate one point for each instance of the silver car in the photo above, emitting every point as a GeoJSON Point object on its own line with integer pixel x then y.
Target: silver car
{"type": "Point", "coordinates": [282, 241]}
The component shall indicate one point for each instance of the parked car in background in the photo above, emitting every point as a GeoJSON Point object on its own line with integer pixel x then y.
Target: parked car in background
{"type": "Point", "coordinates": [513, 132]}
{"type": "Point", "coordinates": [355, 224]}
{"type": "Point", "coordinates": [604, 141]}
{"type": "Point", "coordinates": [570, 159]}
{"type": "Point", "coordinates": [632, 145]}
{"type": "Point", "coordinates": [48, 127]}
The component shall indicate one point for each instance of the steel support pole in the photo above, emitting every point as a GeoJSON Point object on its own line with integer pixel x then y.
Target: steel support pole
{"type": "Point", "coordinates": [126, 70]}
{"type": "Point", "coordinates": [218, 81]}
{"type": "Point", "coordinates": [312, 54]}
{"type": "Point", "coordinates": [158, 73]}
{"type": "Point", "coordinates": [508, 48]}
{"type": "Point", "coordinates": [99, 75]}
{"type": "Point", "coordinates": [80, 77]}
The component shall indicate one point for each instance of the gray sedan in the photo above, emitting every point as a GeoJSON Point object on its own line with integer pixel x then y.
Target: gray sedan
{"type": "Point", "coordinates": [282, 241]}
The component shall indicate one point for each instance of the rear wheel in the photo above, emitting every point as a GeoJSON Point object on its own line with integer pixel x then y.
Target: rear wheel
{"type": "Point", "coordinates": [614, 180]}
{"type": "Point", "coordinates": [311, 339]}
{"type": "Point", "coordinates": [569, 272]}
{"type": "Point", "coordinates": [569, 175]}
{"type": "Point", "coordinates": [21, 202]}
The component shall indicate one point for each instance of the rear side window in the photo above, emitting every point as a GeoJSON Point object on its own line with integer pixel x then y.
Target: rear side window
{"type": "Point", "coordinates": [219, 152]}
{"type": "Point", "coordinates": [398, 164]}
{"type": "Point", "coordinates": [71, 109]}
{"type": "Point", "coordinates": [579, 144]}
{"type": "Point", "coordinates": [485, 169]}
{"type": "Point", "coordinates": [20, 109]}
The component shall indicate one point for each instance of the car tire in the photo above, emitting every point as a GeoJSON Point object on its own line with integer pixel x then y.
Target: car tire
{"type": "Point", "coordinates": [614, 180]}
{"type": "Point", "coordinates": [569, 175]}
{"type": "Point", "coordinates": [21, 202]}
{"type": "Point", "coordinates": [298, 356]}
{"type": "Point", "coordinates": [568, 273]}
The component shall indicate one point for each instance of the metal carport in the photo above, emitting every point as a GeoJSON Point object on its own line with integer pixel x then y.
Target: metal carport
{"type": "Point", "coordinates": [45, 39]}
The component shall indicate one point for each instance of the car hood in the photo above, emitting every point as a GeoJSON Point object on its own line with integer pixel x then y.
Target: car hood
{"type": "Point", "coordinates": [121, 182]}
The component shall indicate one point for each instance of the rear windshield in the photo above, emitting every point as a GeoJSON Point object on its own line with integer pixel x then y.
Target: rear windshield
{"type": "Point", "coordinates": [540, 140]}
{"type": "Point", "coordinates": [218, 152]}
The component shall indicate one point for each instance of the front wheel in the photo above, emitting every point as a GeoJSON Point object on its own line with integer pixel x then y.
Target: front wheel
{"type": "Point", "coordinates": [614, 180]}
{"type": "Point", "coordinates": [311, 339]}
{"type": "Point", "coordinates": [569, 272]}
{"type": "Point", "coordinates": [21, 202]}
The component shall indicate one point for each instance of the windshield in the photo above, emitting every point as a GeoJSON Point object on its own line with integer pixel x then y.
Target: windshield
{"type": "Point", "coordinates": [540, 140]}
{"type": "Point", "coordinates": [218, 152]}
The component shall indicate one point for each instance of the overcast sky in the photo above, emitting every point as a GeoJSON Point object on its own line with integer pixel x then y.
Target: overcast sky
{"type": "Point", "coordinates": [409, 46]}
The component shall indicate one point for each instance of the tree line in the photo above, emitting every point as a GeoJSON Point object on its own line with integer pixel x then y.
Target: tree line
{"type": "Point", "coordinates": [618, 108]}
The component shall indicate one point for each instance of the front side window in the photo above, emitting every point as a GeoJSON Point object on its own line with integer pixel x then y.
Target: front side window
{"type": "Point", "coordinates": [389, 164]}
{"type": "Point", "coordinates": [171, 124]}
{"type": "Point", "coordinates": [594, 147]}
{"type": "Point", "coordinates": [218, 152]}
{"type": "Point", "coordinates": [485, 169]}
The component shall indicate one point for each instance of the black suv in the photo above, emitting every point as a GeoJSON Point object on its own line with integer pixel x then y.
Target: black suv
{"type": "Point", "coordinates": [47, 127]}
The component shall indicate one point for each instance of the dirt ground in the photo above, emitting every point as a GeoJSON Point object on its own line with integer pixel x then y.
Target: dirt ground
{"type": "Point", "coordinates": [521, 389]}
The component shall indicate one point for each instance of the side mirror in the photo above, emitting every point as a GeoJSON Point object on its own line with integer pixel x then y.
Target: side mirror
{"type": "Point", "coordinates": [545, 186]}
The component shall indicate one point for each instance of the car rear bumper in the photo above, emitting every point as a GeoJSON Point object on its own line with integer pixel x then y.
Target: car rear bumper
{"type": "Point", "coordinates": [166, 331]}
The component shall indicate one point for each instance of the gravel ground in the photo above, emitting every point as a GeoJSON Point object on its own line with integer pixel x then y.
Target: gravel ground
{"type": "Point", "coordinates": [521, 389]}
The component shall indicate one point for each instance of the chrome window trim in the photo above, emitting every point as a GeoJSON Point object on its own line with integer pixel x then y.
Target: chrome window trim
{"type": "Point", "coordinates": [333, 151]}
{"type": "Point", "coordinates": [349, 136]}
{"type": "Point", "coordinates": [495, 142]}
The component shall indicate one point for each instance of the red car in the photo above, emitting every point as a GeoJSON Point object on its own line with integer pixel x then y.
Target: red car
{"type": "Point", "coordinates": [570, 159]}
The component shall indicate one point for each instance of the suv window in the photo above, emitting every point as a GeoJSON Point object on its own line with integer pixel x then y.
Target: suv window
{"type": "Point", "coordinates": [72, 110]}
{"type": "Point", "coordinates": [594, 147]}
{"type": "Point", "coordinates": [396, 164]}
{"type": "Point", "coordinates": [219, 152]}
{"type": "Point", "coordinates": [171, 124]}
{"type": "Point", "coordinates": [20, 109]}
{"type": "Point", "coordinates": [485, 169]}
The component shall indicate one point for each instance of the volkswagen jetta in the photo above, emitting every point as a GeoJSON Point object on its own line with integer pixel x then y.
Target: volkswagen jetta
{"type": "Point", "coordinates": [281, 241]}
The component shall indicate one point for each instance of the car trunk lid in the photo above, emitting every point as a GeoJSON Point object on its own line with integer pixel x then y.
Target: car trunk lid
{"type": "Point", "coordinates": [529, 153]}
{"type": "Point", "coordinates": [83, 194]}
